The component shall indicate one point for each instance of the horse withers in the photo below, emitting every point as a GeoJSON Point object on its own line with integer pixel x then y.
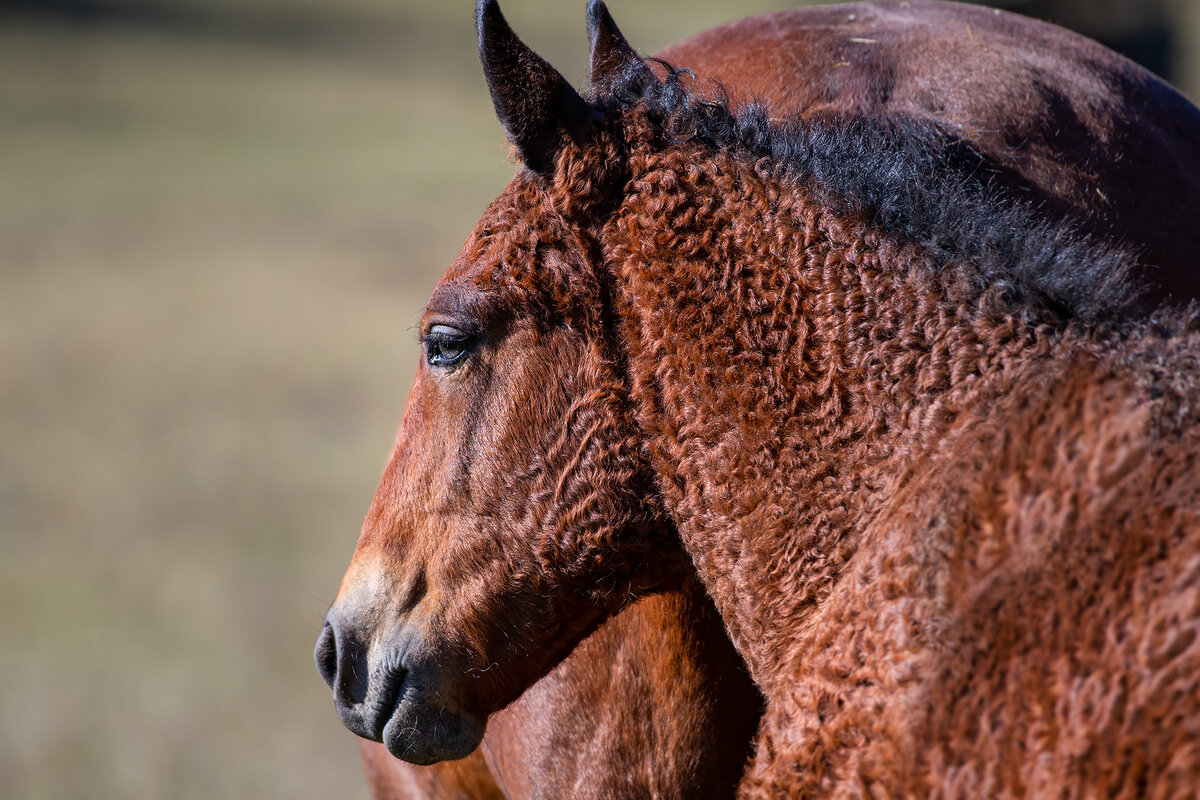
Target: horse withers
{"type": "Point", "coordinates": [437, 355]}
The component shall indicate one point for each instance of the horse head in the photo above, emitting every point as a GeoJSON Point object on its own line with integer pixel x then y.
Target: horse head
{"type": "Point", "coordinates": [518, 509]}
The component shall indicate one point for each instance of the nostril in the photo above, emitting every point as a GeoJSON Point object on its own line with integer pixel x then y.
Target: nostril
{"type": "Point", "coordinates": [326, 655]}
{"type": "Point", "coordinates": [342, 662]}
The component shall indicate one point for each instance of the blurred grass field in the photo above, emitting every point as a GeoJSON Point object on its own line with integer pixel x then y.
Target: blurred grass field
{"type": "Point", "coordinates": [218, 221]}
{"type": "Point", "coordinates": [217, 224]}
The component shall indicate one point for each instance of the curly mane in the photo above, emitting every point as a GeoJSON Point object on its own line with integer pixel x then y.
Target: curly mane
{"type": "Point", "coordinates": [914, 180]}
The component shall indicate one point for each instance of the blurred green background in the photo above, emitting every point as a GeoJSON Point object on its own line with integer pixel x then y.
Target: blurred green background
{"type": "Point", "coordinates": [218, 222]}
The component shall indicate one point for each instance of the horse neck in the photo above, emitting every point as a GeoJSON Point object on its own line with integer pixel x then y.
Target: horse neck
{"type": "Point", "coordinates": [787, 362]}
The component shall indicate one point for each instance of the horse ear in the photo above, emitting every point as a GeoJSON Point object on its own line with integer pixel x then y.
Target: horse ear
{"type": "Point", "coordinates": [611, 58]}
{"type": "Point", "coordinates": [536, 105]}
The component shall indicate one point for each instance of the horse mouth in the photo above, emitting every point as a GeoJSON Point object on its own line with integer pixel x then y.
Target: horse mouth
{"type": "Point", "coordinates": [370, 716]}
{"type": "Point", "coordinates": [389, 700]}
{"type": "Point", "coordinates": [404, 706]}
{"type": "Point", "coordinates": [420, 728]}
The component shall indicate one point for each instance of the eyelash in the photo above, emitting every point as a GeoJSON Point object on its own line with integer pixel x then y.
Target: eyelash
{"type": "Point", "coordinates": [444, 349]}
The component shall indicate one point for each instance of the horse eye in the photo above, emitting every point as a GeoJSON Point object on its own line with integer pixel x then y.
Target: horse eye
{"type": "Point", "coordinates": [445, 346]}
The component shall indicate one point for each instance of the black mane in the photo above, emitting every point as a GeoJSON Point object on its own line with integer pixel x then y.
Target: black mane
{"type": "Point", "coordinates": [915, 180]}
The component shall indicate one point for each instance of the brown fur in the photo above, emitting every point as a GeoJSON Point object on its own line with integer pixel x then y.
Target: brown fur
{"type": "Point", "coordinates": [1084, 132]}
{"type": "Point", "coordinates": [624, 733]}
{"type": "Point", "coordinates": [655, 703]}
{"type": "Point", "coordinates": [391, 779]}
{"type": "Point", "coordinates": [719, 448]}
{"type": "Point", "coordinates": [988, 582]}
{"type": "Point", "coordinates": [913, 506]}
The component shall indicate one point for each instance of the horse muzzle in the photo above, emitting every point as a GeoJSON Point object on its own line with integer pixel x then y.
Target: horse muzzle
{"type": "Point", "coordinates": [378, 697]}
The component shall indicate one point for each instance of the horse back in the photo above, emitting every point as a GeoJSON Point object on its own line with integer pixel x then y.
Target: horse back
{"type": "Point", "coordinates": [1065, 123]}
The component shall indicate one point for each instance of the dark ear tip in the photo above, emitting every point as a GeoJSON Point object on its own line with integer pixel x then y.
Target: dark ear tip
{"type": "Point", "coordinates": [598, 19]}
{"type": "Point", "coordinates": [596, 11]}
{"type": "Point", "coordinates": [486, 10]}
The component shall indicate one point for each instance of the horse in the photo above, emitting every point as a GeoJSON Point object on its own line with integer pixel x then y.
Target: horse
{"type": "Point", "coordinates": [760, 58]}
{"type": "Point", "coordinates": [634, 527]}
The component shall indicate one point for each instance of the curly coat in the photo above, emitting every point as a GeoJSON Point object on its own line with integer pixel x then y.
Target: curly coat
{"type": "Point", "coordinates": [945, 502]}
{"type": "Point", "coordinates": [954, 535]}
{"type": "Point", "coordinates": [922, 471]}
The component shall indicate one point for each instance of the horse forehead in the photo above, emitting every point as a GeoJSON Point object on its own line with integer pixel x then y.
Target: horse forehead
{"type": "Point", "coordinates": [503, 228]}
{"type": "Point", "coordinates": [502, 248]}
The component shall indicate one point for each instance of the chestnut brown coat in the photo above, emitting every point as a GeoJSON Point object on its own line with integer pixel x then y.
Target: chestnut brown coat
{"type": "Point", "coordinates": [521, 188]}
